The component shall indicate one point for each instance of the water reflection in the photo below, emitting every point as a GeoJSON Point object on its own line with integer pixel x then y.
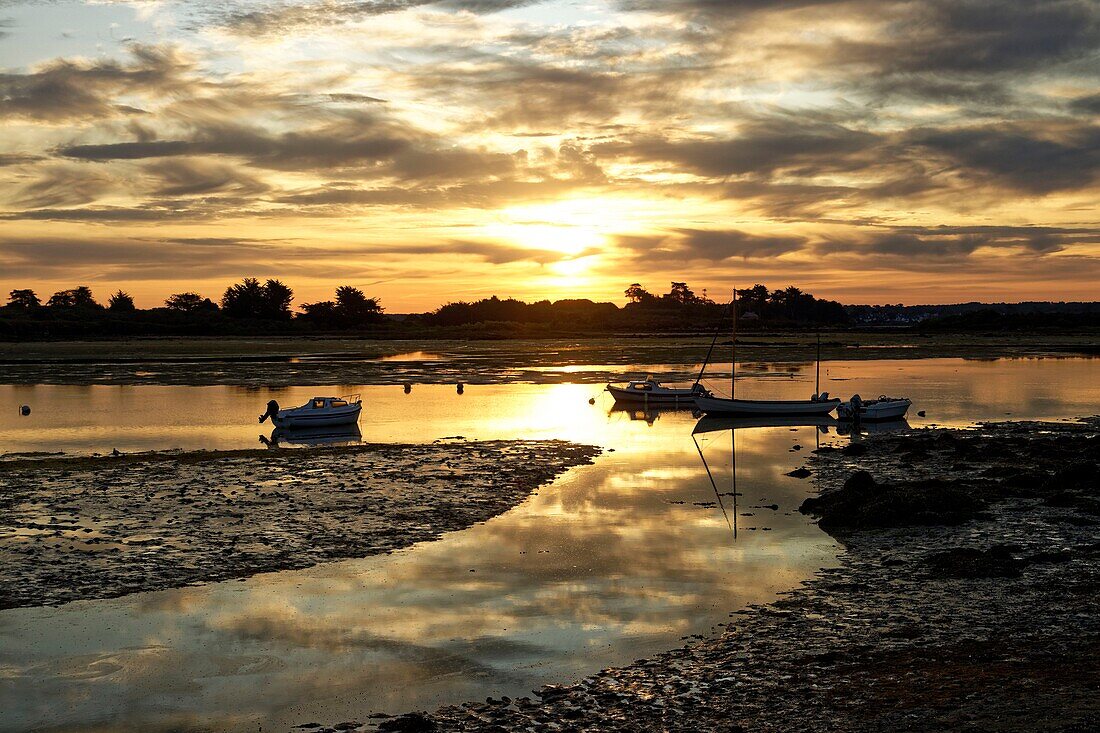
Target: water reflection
{"type": "Point", "coordinates": [649, 413]}
{"type": "Point", "coordinates": [615, 561]}
{"type": "Point", "coordinates": [99, 418]}
{"type": "Point", "coordinates": [333, 436]}
{"type": "Point", "coordinates": [872, 427]}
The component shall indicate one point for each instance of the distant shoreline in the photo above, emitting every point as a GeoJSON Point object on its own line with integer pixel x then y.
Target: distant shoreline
{"type": "Point", "coordinates": [280, 361]}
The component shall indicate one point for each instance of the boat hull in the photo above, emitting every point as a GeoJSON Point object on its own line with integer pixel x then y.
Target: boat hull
{"type": "Point", "coordinates": [664, 397]}
{"type": "Point", "coordinates": [326, 418]}
{"type": "Point", "coordinates": [753, 408]}
{"type": "Point", "coordinates": [893, 410]}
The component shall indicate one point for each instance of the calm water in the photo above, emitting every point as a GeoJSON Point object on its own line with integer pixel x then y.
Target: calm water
{"type": "Point", "coordinates": [612, 562]}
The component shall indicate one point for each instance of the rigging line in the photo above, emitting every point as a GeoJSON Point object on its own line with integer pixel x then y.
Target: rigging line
{"type": "Point", "coordinates": [713, 341]}
{"type": "Point", "coordinates": [715, 487]}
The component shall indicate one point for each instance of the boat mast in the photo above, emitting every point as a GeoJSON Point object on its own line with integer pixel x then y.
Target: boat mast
{"type": "Point", "coordinates": [733, 359]}
{"type": "Point", "coordinates": [710, 351]}
{"type": "Point", "coordinates": [817, 378]}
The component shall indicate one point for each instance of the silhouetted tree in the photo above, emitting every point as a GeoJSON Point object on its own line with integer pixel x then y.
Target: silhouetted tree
{"type": "Point", "coordinates": [23, 299]}
{"type": "Point", "coordinates": [637, 294]}
{"type": "Point", "coordinates": [681, 293]}
{"type": "Point", "coordinates": [250, 299]}
{"type": "Point", "coordinates": [354, 306]}
{"type": "Point", "coordinates": [79, 297]}
{"type": "Point", "coordinates": [190, 303]}
{"type": "Point", "coordinates": [277, 299]}
{"type": "Point", "coordinates": [121, 302]}
{"type": "Point", "coordinates": [323, 313]}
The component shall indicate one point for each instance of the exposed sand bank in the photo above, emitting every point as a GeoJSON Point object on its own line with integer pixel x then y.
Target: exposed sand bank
{"type": "Point", "coordinates": [82, 528]}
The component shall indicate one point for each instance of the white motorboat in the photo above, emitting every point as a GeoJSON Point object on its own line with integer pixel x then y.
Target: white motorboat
{"type": "Point", "coordinates": [650, 391]}
{"type": "Point", "coordinates": [884, 408]}
{"type": "Point", "coordinates": [319, 412]}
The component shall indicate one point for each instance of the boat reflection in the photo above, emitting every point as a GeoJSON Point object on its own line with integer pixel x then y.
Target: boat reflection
{"type": "Point", "coordinates": [335, 435]}
{"type": "Point", "coordinates": [710, 424]}
{"type": "Point", "coordinates": [648, 413]}
{"type": "Point", "coordinates": [871, 428]}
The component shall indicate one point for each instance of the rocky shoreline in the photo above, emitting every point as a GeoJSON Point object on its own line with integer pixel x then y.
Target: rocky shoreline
{"type": "Point", "coordinates": [84, 528]}
{"type": "Point", "coordinates": [968, 598]}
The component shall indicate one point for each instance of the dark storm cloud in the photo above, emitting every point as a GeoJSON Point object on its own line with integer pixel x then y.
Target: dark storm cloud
{"type": "Point", "coordinates": [334, 146]}
{"type": "Point", "coordinates": [120, 257]}
{"type": "Point", "coordinates": [8, 159]}
{"type": "Point", "coordinates": [145, 258]}
{"type": "Point", "coordinates": [65, 90]}
{"type": "Point", "coordinates": [762, 146]}
{"type": "Point", "coordinates": [188, 177]}
{"type": "Point", "coordinates": [952, 243]}
{"type": "Point", "coordinates": [980, 36]}
{"type": "Point", "coordinates": [61, 185]}
{"type": "Point", "coordinates": [1027, 158]}
{"type": "Point", "coordinates": [1087, 105]}
{"type": "Point", "coordinates": [723, 244]}
{"type": "Point", "coordinates": [336, 199]}
{"type": "Point", "coordinates": [115, 214]}
{"type": "Point", "coordinates": [712, 245]}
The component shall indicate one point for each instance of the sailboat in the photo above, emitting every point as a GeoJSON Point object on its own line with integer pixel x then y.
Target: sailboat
{"type": "Point", "coordinates": [818, 404]}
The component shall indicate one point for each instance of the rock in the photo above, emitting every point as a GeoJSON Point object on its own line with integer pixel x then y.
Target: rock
{"type": "Point", "coordinates": [860, 481]}
{"type": "Point", "coordinates": [864, 504]}
{"type": "Point", "coordinates": [971, 562]}
{"type": "Point", "coordinates": [800, 472]}
{"type": "Point", "coordinates": [1083, 474]}
{"type": "Point", "coordinates": [854, 449]}
{"type": "Point", "coordinates": [409, 723]}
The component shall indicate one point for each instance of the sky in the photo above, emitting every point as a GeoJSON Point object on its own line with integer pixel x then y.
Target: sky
{"type": "Point", "coordinates": [427, 151]}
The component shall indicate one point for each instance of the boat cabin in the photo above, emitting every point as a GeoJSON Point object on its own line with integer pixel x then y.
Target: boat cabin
{"type": "Point", "coordinates": [320, 403]}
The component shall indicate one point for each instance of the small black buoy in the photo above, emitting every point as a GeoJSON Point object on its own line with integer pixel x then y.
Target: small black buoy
{"type": "Point", "coordinates": [591, 400]}
{"type": "Point", "coordinates": [408, 388]}
{"type": "Point", "coordinates": [25, 410]}
{"type": "Point", "coordinates": [460, 388]}
{"type": "Point", "coordinates": [920, 413]}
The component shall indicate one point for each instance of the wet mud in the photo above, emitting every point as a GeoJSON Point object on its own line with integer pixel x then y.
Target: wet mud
{"type": "Point", "coordinates": [971, 602]}
{"type": "Point", "coordinates": [83, 528]}
{"type": "Point", "coordinates": [277, 362]}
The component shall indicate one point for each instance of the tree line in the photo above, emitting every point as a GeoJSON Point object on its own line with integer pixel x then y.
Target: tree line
{"type": "Point", "coordinates": [254, 307]}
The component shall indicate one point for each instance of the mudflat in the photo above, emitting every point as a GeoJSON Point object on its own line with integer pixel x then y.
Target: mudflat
{"type": "Point", "coordinates": [273, 362]}
{"type": "Point", "coordinates": [102, 527]}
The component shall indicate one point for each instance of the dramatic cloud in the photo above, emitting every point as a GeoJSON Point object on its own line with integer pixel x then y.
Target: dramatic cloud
{"type": "Point", "coordinates": [80, 90]}
{"type": "Point", "coordinates": [546, 149]}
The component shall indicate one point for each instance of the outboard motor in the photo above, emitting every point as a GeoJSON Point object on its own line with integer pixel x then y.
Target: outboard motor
{"type": "Point", "coordinates": [857, 406]}
{"type": "Point", "coordinates": [272, 411]}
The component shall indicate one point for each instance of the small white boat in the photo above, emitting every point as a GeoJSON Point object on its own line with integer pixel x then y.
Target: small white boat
{"type": "Point", "coordinates": [319, 412]}
{"type": "Point", "coordinates": [884, 408]}
{"type": "Point", "coordinates": [817, 405]}
{"type": "Point", "coordinates": [652, 392]}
